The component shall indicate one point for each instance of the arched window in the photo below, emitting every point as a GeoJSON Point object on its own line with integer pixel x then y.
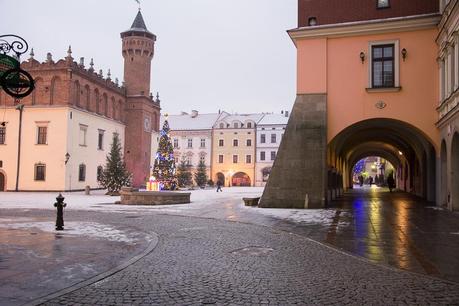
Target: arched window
{"type": "Point", "coordinates": [105, 98]}
{"type": "Point", "coordinates": [222, 125]}
{"type": "Point", "coordinates": [56, 87]}
{"type": "Point", "coordinates": [97, 100]}
{"type": "Point", "coordinates": [76, 93]}
{"type": "Point", "coordinates": [87, 97]}
{"type": "Point", "coordinates": [82, 173]}
{"type": "Point", "coordinates": [249, 125]}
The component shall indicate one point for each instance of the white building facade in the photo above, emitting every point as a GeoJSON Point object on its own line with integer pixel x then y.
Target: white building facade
{"type": "Point", "coordinates": [191, 136]}
{"type": "Point", "coordinates": [270, 131]}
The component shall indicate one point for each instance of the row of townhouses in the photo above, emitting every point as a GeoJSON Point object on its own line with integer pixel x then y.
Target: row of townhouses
{"type": "Point", "coordinates": [238, 149]}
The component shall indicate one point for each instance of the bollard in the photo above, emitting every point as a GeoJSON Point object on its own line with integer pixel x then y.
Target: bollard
{"type": "Point", "coordinates": [87, 190]}
{"type": "Point", "coordinates": [60, 212]}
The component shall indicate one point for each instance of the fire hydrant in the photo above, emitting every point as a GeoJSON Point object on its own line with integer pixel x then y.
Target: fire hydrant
{"type": "Point", "coordinates": [60, 212]}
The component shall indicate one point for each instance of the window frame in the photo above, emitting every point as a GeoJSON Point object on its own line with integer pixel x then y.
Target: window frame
{"type": "Point", "coordinates": [262, 138]}
{"type": "Point", "coordinates": [235, 158]}
{"type": "Point", "coordinates": [396, 62]}
{"type": "Point", "coordinates": [235, 142]}
{"type": "Point", "coordinates": [2, 135]}
{"type": "Point", "coordinates": [36, 178]}
{"type": "Point", "coordinates": [221, 142]}
{"type": "Point", "coordinates": [221, 159]}
{"type": "Point", "coordinates": [248, 142]}
{"type": "Point", "coordinates": [262, 155]}
{"type": "Point", "coordinates": [190, 143]}
{"type": "Point", "coordinates": [274, 137]}
{"type": "Point", "coordinates": [273, 155]}
{"type": "Point", "coordinates": [203, 143]}
{"type": "Point", "coordinates": [248, 159]}
{"type": "Point", "coordinates": [100, 141]}
{"type": "Point", "coordinates": [41, 141]}
{"type": "Point", "coordinates": [82, 175]}
{"type": "Point", "coordinates": [84, 129]}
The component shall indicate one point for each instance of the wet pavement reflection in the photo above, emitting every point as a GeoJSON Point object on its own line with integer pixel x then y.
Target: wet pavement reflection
{"type": "Point", "coordinates": [395, 228]}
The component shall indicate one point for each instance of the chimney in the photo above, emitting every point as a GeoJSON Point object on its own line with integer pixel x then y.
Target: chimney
{"type": "Point", "coordinates": [282, 112]}
{"type": "Point", "coordinates": [286, 113]}
{"type": "Point", "coordinates": [194, 113]}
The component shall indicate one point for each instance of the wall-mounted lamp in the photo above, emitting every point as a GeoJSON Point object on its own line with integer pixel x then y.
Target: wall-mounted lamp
{"type": "Point", "coordinates": [404, 53]}
{"type": "Point", "coordinates": [67, 157]}
{"type": "Point", "coordinates": [312, 21]}
{"type": "Point", "coordinates": [362, 56]}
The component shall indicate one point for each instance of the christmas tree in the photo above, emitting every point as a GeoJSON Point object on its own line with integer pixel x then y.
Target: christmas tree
{"type": "Point", "coordinates": [164, 167]}
{"type": "Point", "coordinates": [115, 175]}
{"type": "Point", "coordinates": [184, 175]}
{"type": "Point", "coordinates": [200, 177]}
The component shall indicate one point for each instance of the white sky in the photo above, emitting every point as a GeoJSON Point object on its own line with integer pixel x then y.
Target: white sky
{"type": "Point", "coordinates": [233, 55]}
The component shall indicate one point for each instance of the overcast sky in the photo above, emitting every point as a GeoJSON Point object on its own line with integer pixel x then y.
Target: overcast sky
{"type": "Point", "coordinates": [233, 55]}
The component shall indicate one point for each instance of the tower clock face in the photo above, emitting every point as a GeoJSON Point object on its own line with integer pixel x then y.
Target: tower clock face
{"type": "Point", "coordinates": [383, 3]}
{"type": "Point", "coordinates": [146, 124]}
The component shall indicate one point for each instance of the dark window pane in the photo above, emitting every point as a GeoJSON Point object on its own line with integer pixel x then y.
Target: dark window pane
{"type": "Point", "coordinates": [377, 52]}
{"type": "Point", "coordinates": [377, 74]}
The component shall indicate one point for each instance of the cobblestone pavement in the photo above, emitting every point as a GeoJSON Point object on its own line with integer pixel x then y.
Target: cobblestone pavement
{"type": "Point", "coordinates": [204, 261]}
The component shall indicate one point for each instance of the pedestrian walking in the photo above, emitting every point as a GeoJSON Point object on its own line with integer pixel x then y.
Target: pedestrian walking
{"type": "Point", "coordinates": [370, 180]}
{"type": "Point", "coordinates": [390, 182]}
{"type": "Point", "coordinates": [219, 186]}
{"type": "Point", "coordinates": [361, 180]}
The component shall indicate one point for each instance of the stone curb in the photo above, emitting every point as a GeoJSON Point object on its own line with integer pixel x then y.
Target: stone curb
{"type": "Point", "coordinates": [99, 277]}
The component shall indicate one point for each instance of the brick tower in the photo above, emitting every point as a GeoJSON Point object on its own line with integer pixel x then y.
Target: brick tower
{"type": "Point", "coordinates": [142, 111]}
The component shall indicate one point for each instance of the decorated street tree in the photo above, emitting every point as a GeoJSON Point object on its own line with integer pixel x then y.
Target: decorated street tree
{"type": "Point", "coordinates": [200, 177]}
{"type": "Point", "coordinates": [184, 176]}
{"type": "Point", "coordinates": [114, 175]}
{"type": "Point", "coordinates": [164, 167]}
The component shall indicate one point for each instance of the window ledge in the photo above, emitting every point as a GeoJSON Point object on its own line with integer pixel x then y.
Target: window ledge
{"type": "Point", "coordinates": [383, 89]}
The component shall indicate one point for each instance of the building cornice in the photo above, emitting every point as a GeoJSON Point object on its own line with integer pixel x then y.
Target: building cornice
{"type": "Point", "coordinates": [378, 26]}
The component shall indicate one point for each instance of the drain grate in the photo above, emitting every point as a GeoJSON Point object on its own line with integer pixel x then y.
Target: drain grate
{"type": "Point", "coordinates": [253, 251]}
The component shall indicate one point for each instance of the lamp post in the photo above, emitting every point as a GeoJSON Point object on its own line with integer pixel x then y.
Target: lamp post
{"type": "Point", "coordinates": [20, 108]}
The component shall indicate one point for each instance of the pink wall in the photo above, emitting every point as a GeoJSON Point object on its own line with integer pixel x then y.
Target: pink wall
{"type": "Point", "coordinates": [333, 65]}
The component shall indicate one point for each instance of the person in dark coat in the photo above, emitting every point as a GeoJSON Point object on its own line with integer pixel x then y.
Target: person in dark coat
{"type": "Point", "coordinates": [361, 180]}
{"type": "Point", "coordinates": [219, 186]}
{"type": "Point", "coordinates": [390, 182]}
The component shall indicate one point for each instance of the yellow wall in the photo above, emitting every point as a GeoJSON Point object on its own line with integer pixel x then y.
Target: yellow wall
{"type": "Point", "coordinates": [228, 150]}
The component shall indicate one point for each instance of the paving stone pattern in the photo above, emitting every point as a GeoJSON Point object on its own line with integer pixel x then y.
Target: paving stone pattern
{"type": "Point", "coordinates": [203, 261]}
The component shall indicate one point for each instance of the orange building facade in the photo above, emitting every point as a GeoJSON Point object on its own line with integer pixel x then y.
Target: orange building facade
{"type": "Point", "coordinates": [367, 85]}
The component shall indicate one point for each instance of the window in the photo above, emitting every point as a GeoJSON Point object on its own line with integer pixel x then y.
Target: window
{"type": "Point", "coordinates": [2, 134]}
{"type": "Point", "coordinates": [248, 159]}
{"type": "Point", "coordinates": [175, 143]}
{"type": "Point", "coordinates": [263, 138]}
{"type": "Point", "coordinates": [221, 143]}
{"type": "Point", "coordinates": [249, 142]}
{"type": "Point", "coordinates": [42, 131]}
{"type": "Point", "coordinates": [203, 142]}
{"type": "Point", "coordinates": [188, 161]}
{"type": "Point", "coordinates": [40, 172]}
{"type": "Point", "coordinates": [222, 125]}
{"type": "Point", "coordinates": [262, 155]}
{"type": "Point", "coordinates": [100, 140]}
{"type": "Point", "coordinates": [235, 143]}
{"type": "Point", "coordinates": [190, 143]}
{"type": "Point", "coordinates": [383, 3]}
{"type": "Point", "coordinates": [99, 172]}
{"type": "Point", "coordinates": [273, 155]}
{"type": "Point", "coordinates": [220, 159]}
{"type": "Point", "coordinates": [249, 125]}
{"type": "Point", "coordinates": [382, 66]}
{"type": "Point", "coordinates": [273, 138]}
{"type": "Point", "coordinates": [234, 159]}
{"type": "Point", "coordinates": [83, 130]}
{"type": "Point", "coordinates": [82, 173]}
{"type": "Point", "coordinates": [202, 159]}
{"type": "Point", "coordinates": [235, 125]}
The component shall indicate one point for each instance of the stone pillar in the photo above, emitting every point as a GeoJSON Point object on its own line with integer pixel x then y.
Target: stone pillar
{"type": "Point", "coordinates": [299, 175]}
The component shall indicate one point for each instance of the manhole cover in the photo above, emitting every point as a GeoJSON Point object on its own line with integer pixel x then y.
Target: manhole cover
{"type": "Point", "coordinates": [253, 251]}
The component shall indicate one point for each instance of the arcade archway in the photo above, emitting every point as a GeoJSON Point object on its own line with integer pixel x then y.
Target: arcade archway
{"type": "Point", "coordinates": [220, 177]}
{"type": "Point", "coordinates": [409, 151]}
{"type": "Point", "coordinates": [240, 179]}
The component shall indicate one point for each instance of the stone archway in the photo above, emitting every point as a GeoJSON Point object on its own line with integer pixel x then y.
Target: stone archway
{"type": "Point", "coordinates": [241, 179]}
{"type": "Point", "coordinates": [2, 181]}
{"type": "Point", "coordinates": [455, 172]}
{"type": "Point", "coordinates": [220, 177]}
